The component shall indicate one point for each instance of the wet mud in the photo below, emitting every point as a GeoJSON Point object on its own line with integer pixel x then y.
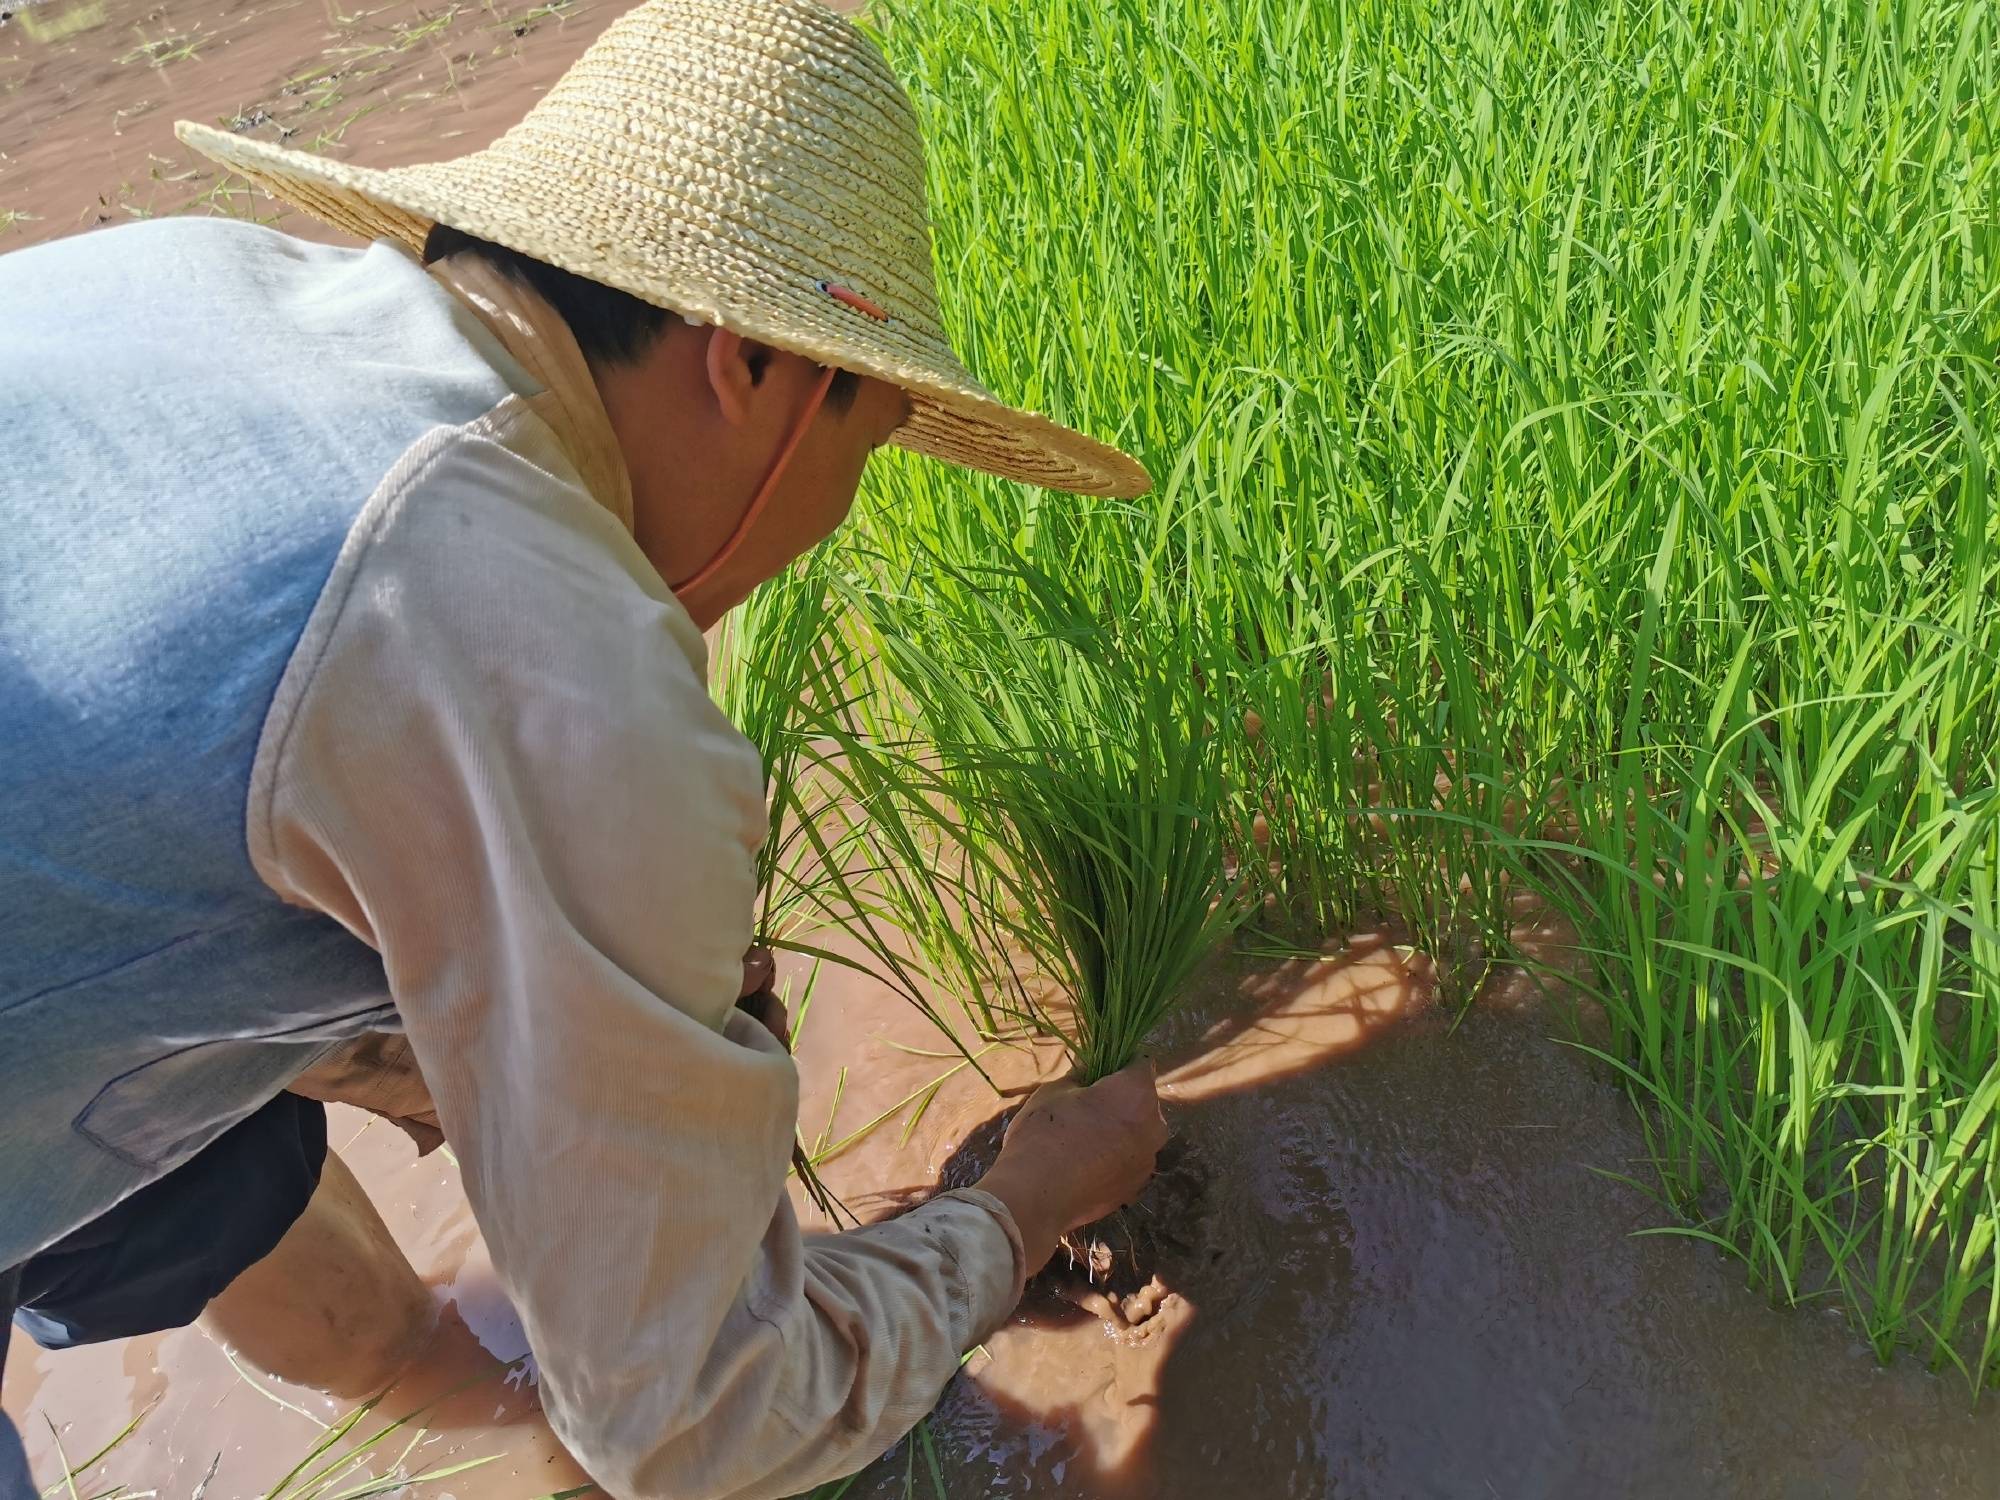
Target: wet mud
{"type": "Point", "coordinates": [1111, 1268]}
{"type": "Point", "coordinates": [90, 90]}
{"type": "Point", "coordinates": [1410, 1274]}
{"type": "Point", "coordinates": [1396, 1254]}
{"type": "Point", "coordinates": [1400, 1260]}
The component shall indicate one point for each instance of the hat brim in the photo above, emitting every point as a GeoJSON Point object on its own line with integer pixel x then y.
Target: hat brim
{"type": "Point", "coordinates": [953, 417]}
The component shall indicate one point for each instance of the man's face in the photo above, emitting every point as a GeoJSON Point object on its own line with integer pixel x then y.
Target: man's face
{"type": "Point", "coordinates": [817, 488]}
{"type": "Point", "coordinates": [701, 420]}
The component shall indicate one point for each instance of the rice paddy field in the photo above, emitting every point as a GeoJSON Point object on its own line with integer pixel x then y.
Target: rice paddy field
{"type": "Point", "coordinates": [1575, 429]}
{"type": "Point", "coordinates": [1573, 560]}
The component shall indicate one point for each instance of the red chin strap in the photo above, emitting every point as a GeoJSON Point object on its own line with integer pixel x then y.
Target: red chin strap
{"type": "Point", "coordinates": [762, 498]}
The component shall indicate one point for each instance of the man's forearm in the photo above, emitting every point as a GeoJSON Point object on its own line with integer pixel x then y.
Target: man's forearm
{"type": "Point", "coordinates": [1034, 1208]}
{"type": "Point", "coordinates": [812, 1378]}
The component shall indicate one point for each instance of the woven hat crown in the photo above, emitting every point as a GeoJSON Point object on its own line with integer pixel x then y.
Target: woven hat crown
{"type": "Point", "coordinates": [744, 152]}
{"type": "Point", "coordinates": [750, 163]}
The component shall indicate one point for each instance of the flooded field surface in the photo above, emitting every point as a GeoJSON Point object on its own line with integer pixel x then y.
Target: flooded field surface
{"type": "Point", "coordinates": [90, 90]}
{"type": "Point", "coordinates": [210, 1426]}
{"type": "Point", "coordinates": [1401, 1264]}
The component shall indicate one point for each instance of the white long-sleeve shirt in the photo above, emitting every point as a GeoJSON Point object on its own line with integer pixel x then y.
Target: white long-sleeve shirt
{"type": "Point", "coordinates": [493, 756]}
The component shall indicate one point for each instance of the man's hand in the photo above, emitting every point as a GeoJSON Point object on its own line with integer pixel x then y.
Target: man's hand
{"type": "Point", "coordinates": [377, 1072]}
{"type": "Point", "coordinates": [757, 999]}
{"type": "Point", "coordinates": [1074, 1154]}
{"type": "Point", "coordinates": [759, 969]}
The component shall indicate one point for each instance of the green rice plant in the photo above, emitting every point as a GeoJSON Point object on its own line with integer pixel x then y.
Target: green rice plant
{"type": "Point", "coordinates": [1073, 773]}
{"type": "Point", "coordinates": [919, 1442]}
{"type": "Point", "coordinates": [903, 893]}
{"type": "Point", "coordinates": [1803, 988]}
{"type": "Point", "coordinates": [50, 29]}
{"type": "Point", "coordinates": [157, 52]}
{"type": "Point", "coordinates": [330, 1468]}
{"type": "Point", "coordinates": [67, 1485]}
{"type": "Point", "coordinates": [779, 668]}
{"type": "Point", "coordinates": [527, 20]}
{"type": "Point", "coordinates": [1574, 430]}
{"type": "Point", "coordinates": [794, 680]}
{"type": "Point", "coordinates": [410, 34]}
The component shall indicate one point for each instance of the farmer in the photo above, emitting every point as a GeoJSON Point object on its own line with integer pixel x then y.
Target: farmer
{"type": "Point", "coordinates": [353, 735]}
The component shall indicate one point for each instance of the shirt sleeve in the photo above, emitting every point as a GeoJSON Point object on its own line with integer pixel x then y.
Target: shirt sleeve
{"type": "Point", "coordinates": [494, 758]}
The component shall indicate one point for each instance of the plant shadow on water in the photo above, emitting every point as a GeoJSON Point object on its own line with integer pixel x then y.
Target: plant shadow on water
{"type": "Point", "coordinates": [1412, 1266]}
{"type": "Point", "coordinates": [1093, 1368]}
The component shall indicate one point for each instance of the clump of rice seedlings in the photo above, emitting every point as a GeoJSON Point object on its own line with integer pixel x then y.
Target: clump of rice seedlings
{"type": "Point", "coordinates": [1073, 774]}
{"type": "Point", "coordinates": [840, 860]}
{"type": "Point", "coordinates": [904, 893]}
{"type": "Point", "coordinates": [788, 678]}
{"type": "Point", "coordinates": [1367, 778]}
{"type": "Point", "coordinates": [780, 668]}
{"type": "Point", "coordinates": [1259, 563]}
{"type": "Point", "coordinates": [781, 665]}
{"type": "Point", "coordinates": [51, 27]}
{"type": "Point", "coordinates": [1798, 927]}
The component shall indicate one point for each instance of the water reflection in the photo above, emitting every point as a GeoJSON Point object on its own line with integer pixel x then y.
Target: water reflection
{"type": "Point", "coordinates": [1399, 1265]}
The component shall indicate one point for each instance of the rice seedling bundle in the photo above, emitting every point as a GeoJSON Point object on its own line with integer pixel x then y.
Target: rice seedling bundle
{"type": "Point", "coordinates": [1071, 774]}
{"type": "Point", "coordinates": [780, 669]}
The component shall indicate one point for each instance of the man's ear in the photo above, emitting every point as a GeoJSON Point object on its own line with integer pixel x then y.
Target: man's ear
{"type": "Point", "coordinates": [735, 367]}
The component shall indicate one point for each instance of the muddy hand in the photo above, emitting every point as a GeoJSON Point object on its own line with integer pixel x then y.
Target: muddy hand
{"type": "Point", "coordinates": [759, 969]}
{"type": "Point", "coordinates": [1074, 1154]}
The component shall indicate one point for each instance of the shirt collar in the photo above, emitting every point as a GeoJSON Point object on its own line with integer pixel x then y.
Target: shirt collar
{"type": "Point", "coordinates": [536, 336]}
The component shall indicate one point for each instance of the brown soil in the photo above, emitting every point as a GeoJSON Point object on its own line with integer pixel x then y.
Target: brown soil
{"type": "Point", "coordinates": [87, 114]}
{"type": "Point", "coordinates": [1395, 1267]}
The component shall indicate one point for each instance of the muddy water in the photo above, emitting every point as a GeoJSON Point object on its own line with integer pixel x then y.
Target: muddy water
{"type": "Point", "coordinates": [1398, 1270]}
{"type": "Point", "coordinates": [86, 119]}
{"type": "Point", "coordinates": [207, 1421]}
{"type": "Point", "coordinates": [1406, 1277]}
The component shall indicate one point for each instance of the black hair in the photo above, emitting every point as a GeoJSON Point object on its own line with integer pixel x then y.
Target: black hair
{"type": "Point", "coordinates": [611, 327]}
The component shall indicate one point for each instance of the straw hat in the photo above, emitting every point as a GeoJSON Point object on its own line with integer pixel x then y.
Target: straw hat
{"type": "Point", "coordinates": [751, 163]}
